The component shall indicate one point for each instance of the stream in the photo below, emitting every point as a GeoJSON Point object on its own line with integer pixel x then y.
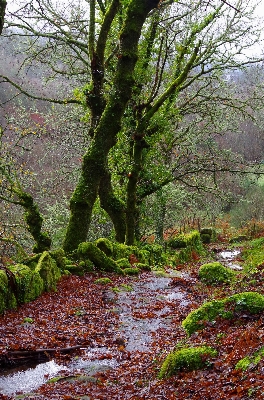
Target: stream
{"type": "Point", "coordinates": [137, 325]}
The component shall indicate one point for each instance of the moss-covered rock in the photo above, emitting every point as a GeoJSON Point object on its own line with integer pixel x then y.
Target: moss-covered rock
{"type": "Point", "coordinates": [59, 256]}
{"type": "Point", "coordinates": [89, 250]}
{"type": "Point", "coordinates": [123, 263]}
{"type": "Point", "coordinates": [178, 242]}
{"type": "Point", "coordinates": [189, 359]}
{"type": "Point", "coordinates": [105, 245]}
{"type": "Point", "coordinates": [143, 267]}
{"type": "Point", "coordinates": [251, 302]}
{"type": "Point", "coordinates": [48, 270]}
{"type": "Point", "coordinates": [30, 285]}
{"type": "Point", "coordinates": [7, 297]}
{"type": "Point", "coordinates": [187, 246]}
{"type": "Point", "coordinates": [208, 235]}
{"type": "Point", "coordinates": [131, 271]}
{"type": "Point", "coordinates": [75, 269]}
{"type": "Point", "coordinates": [103, 281]}
{"type": "Point", "coordinates": [215, 273]}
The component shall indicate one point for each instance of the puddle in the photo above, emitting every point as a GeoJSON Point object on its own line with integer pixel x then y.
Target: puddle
{"type": "Point", "coordinates": [226, 258]}
{"type": "Point", "coordinates": [138, 321]}
{"type": "Point", "coordinates": [30, 379]}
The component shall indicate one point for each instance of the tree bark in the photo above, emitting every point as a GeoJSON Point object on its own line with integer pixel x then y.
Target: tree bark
{"type": "Point", "coordinates": [95, 160]}
{"type": "Point", "coordinates": [114, 207]}
{"type": "Point", "coordinates": [2, 14]}
{"type": "Point", "coordinates": [131, 206]}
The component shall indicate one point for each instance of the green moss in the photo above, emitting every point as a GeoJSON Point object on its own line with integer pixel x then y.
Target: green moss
{"type": "Point", "coordinates": [30, 285]}
{"type": "Point", "coordinates": [48, 270]}
{"type": "Point", "coordinates": [205, 238]}
{"type": "Point", "coordinates": [103, 281]}
{"type": "Point", "coordinates": [215, 273]}
{"type": "Point", "coordinates": [178, 242]}
{"type": "Point", "coordinates": [253, 254]}
{"type": "Point", "coordinates": [75, 269]}
{"type": "Point", "coordinates": [253, 360]}
{"type": "Point", "coordinates": [251, 302]}
{"type": "Point", "coordinates": [123, 263]}
{"type": "Point", "coordinates": [88, 250]}
{"type": "Point", "coordinates": [59, 256]}
{"type": "Point", "coordinates": [186, 359]}
{"type": "Point", "coordinates": [131, 271]}
{"type": "Point", "coordinates": [143, 267]}
{"type": "Point", "coordinates": [7, 298]}
{"type": "Point", "coordinates": [105, 245]}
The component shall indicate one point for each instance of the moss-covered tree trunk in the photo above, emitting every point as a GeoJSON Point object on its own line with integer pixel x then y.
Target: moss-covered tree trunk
{"type": "Point", "coordinates": [114, 207]}
{"type": "Point", "coordinates": [34, 221]}
{"type": "Point", "coordinates": [131, 206]}
{"type": "Point", "coordinates": [95, 160]}
{"type": "Point", "coordinates": [2, 14]}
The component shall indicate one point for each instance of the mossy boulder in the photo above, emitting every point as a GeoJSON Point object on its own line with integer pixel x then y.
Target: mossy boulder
{"type": "Point", "coordinates": [131, 271]}
{"type": "Point", "coordinates": [48, 270]}
{"type": "Point", "coordinates": [189, 359]}
{"type": "Point", "coordinates": [7, 297]}
{"type": "Point", "coordinates": [229, 307]}
{"type": "Point", "coordinates": [123, 263]}
{"type": "Point", "coordinates": [177, 242]}
{"type": "Point", "coordinates": [30, 285]}
{"type": "Point", "coordinates": [215, 273]}
{"type": "Point", "coordinates": [59, 256]}
{"type": "Point", "coordinates": [143, 267]}
{"type": "Point", "coordinates": [105, 245]}
{"type": "Point", "coordinates": [208, 235]}
{"type": "Point", "coordinates": [192, 250]}
{"type": "Point", "coordinates": [88, 250]}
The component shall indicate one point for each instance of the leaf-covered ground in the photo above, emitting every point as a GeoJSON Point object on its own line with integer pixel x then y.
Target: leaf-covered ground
{"type": "Point", "coordinates": [136, 329]}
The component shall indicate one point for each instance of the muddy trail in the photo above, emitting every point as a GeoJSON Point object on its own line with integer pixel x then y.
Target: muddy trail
{"type": "Point", "coordinates": [123, 331]}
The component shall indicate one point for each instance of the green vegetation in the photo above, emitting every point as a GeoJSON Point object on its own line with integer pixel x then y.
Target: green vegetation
{"type": "Point", "coordinates": [253, 254]}
{"type": "Point", "coordinates": [251, 302]}
{"type": "Point", "coordinates": [252, 360]}
{"type": "Point", "coordinates": [131, 271]}
{"type": "Point", "coordinates": [215, 273]}
{"type": "Point", "coordinates": [186, 359]}
{"type": "Point", "coordinates": [103, 281]}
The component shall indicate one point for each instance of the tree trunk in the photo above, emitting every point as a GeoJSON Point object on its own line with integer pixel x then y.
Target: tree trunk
{"type": "Point", "coordinates": [114, 207]}
{"type": "Point", "coordinates": [131, 207]}
{"type": "Point", "coordinates": [34, 221]}
{"type": "Point", "coordinates": [95, 160]}
{"type": "Point", "coordinates": [2, 14]}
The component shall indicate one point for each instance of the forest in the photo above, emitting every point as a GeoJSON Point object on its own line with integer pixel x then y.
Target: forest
{"type": "Point", "coordinates": [132, 199]}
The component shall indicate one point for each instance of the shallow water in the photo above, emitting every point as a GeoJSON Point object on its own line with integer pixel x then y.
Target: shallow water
{"type": "Point", "coordinates": [227, 257]}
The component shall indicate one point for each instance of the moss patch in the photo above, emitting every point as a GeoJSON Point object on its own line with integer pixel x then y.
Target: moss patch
{"type": "Point", "coordinates": [252, 360]}
{"type": "Point", "coordinates": [89, 250]}
{"type": "Point", "coordinates": [103, 281]}
{"type": "Point", "coordinates": [131, 271]}
{"type": "Point", "coordinates": [215, 273]}
{"type": "Point", "coordinates": [48, 270]}
{"type": "Point", "coordinates": [30, 285]}
{"type": "Point", "coordinates": [251, 302]}
{"type": "Point", "coordinates": [186, 359]}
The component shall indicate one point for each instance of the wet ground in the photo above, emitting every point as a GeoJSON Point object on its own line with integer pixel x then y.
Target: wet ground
{"type": "Point", "coordinates": [144, 309]}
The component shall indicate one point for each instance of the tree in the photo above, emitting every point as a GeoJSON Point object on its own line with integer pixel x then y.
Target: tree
{"type": "Point", "coordinates": [2, 14]}
{"type": "Point", "coordinates": [141, 55]}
